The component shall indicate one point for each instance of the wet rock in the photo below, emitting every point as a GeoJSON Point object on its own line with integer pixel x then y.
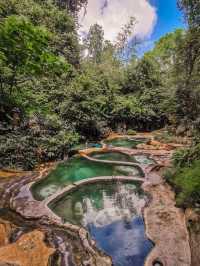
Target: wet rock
{"type": "Point", "coordinates": [29, 249]}
{"type": "Point", "coordinates": [193, 224]}
{"type": "Point", "coordinates": [97, 261]}
{"type": "Point", "coordinates": [181, 129]}
{"type": "Point", "coordinates": [166, 227]}
{"type": "Point", "coordinates": [155, 145]}
{"type": "Point", "coordinates": [8, 264]}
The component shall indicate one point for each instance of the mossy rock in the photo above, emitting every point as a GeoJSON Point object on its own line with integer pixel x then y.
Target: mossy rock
{"type": "Point", "coordinates": [131, 132]}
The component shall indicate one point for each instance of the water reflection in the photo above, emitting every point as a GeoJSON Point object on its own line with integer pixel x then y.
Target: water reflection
{"type": "Point", "coordinates": [124, 241]}
{"type": "Point", "coordinates": [113, 215]}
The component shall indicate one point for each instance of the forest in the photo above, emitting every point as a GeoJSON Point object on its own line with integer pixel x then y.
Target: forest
{"type": "Point", "coordinates": [57, 90]}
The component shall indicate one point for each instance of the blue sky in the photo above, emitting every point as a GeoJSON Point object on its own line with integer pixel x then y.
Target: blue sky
{"type": "Point", "coordinates": [154, 18]}
{"type": "Point", "coordinates": [169, 18]}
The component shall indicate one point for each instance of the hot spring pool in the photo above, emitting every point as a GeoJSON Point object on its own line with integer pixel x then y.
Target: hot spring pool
{"type": "Point", "coordinates": [112, 213]}
{"type": "Point", "coordinates": [75, 169]}
{"type": "Point", "coordinates": [124, 142]}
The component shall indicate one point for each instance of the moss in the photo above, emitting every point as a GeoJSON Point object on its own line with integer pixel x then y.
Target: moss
{"type": "Point", "coordinates": [131, 132]}
{"type": "Point", "coordinates": [186, 181]}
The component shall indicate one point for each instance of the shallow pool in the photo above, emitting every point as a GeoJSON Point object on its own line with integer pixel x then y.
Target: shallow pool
{"type": "Point", "coordinates": [124, 142]}
{"type": "Point", "coordinates": [118, 156]}
{"type": "Point", "coordinates": [112, 213]}
{"type": "Point", "coordinates": [144, 159]}
{"type": "Point", "coordinates": [76, 169]}
{"type": "Point", "coordinates": [83, 146]}
{"type": "Point", "coordinates": [112, 156]}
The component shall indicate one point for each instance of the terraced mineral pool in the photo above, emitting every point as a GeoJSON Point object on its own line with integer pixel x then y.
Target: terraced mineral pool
{"type": "Point", "coordinates": [76, 169]}
{"type": "Point", "coordinates": [117, 156]}
{"type": "Point", "coordinates": [83, 146]}
{"type": "Point", "coordinates": [112, 213]}
{"type": "Point", "coordinates": [112, 156]}
{"type": "Point", "coordinates": [144, 159]}
{"type": "Point", "coordinates": [124, 142]}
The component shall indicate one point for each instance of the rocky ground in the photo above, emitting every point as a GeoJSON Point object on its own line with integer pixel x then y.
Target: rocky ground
{"type": "Point", "coordinates": [166, 227]}
{"type": "Point", "coordinates": [40, 242]}
{"type": "Point", "coordinates": [29, 249]}
{"type": "Point", "coordinates": [193, 224]}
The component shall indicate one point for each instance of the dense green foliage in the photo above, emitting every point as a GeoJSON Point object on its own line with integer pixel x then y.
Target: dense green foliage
{"type": "Point", "coordinates": [186, 182]}
{"type": "Point", "coordinates": [185, 157]}
{"type": "Point", "coordinates": [186, 178]}
{"type": "Point", "coordinates": [38, 54]}
{"type": "Point", "coordinates": [94, 43]}
{"type": "Point", "coordinates": [25, 54]}
{"type": "Point", "coordinates": [187, 67]}
{"type": "Point", "coordinates": [56, 90]}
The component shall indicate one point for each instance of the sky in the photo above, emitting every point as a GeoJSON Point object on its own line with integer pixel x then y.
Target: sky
{"type": "Point", "coordinates": [154, 18]}
{"type": "Point", "coordinates": [169, 18]}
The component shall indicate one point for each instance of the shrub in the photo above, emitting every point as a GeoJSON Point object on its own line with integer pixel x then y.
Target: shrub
{"type": "Point", "coordinates": [186, 181]}
{"type": "Point", "coordinates": [185, 157]}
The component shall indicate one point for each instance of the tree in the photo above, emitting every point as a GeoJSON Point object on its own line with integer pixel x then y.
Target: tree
{"type": "Point", "coordinates": [58, 21]}
{"type": "Point", "coordinates": [187, 67]}
{"type": "Point", "coordinates": [73, 6]}
{"type": "Point", "coordinates": [124, 46]}
{"type": "Point", "coordinates": [164, 57]}
{"type": "Point", "coordinates": [191, 10]}
{"type": "Point", "coordinates": [24, 53]}
{"type": "Point", "coordinates": [141, 74]}
{"type": "Point", "coordinates": [35, 71]}
{"type": "Point", "coordinates": [165, 50]}
{"type": "Point", "coordinates": [94, 43]}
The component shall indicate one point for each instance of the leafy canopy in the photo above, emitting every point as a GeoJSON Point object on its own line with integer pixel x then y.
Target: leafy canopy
{"type": "Point", "coordinates": [24, 52]}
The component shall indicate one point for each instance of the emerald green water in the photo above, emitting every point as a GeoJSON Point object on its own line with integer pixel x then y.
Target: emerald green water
{"type": "Point", "coordinates": [112, 156]}
{"type": "Point", "coordinates": [76, 169]}
{"type": "Point", "coordinates": [117, 156]}
{"type": "Point", "coordinates": [124, 142]}
{"type": "Point", "coordinates": [110, 211]}
{"type": "Point", "coordinates": [83, 146]}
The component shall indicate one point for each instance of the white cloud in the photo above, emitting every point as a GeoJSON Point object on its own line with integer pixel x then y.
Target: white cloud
{"type": "Point", "coordinates": [116, 14]}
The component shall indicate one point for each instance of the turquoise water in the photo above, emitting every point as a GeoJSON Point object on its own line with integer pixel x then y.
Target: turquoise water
{"type": "Point", "coordinates": [124, 142]}
{"type": "Point", "coordinates": [112, 213]}
{"type": "Point", "coordinates": [112, 156]}
{"type": "Point", "coordinates": [83, 146]}
{"type": "Point", "coordinates": [76, 169]}
{"type": "Point", "coordinates": [117, 156]}
{"type": "Point", "coordinates": [144, 159]}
